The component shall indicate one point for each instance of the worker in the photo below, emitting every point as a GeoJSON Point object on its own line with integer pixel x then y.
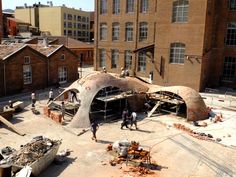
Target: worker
{"type": "Point", "coordinates": [133, 119]}
{"type": "Point", "coordinates": [94, 128]}
{"type": "Point", "coordinates": [50, 96]}
{"type": "Point", "coordinates": [122, 74]}
{"type": "Point", "coordinates": [104, 69]}
{"type": "Point", "coordinates": [63, 110]}
{"type": "Point", "coordinates": [126, 72]}
{"type": "Point", "coordinates": [124, 119]}
{"type": "Point", "coordinates": [74, 96]}
{"type": "Point", "coordinates": [33, 99]}
{"type": "Point", "coordinates": [10, 104]}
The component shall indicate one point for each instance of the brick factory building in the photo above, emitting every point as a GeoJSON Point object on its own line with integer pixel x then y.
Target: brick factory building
{"type": "Point", "coordinates": [26, 67]}
{"type": "Point", "coordinates": [171, 42]}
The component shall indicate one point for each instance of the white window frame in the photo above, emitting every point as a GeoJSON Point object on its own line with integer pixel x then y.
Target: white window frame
{"type": "Point", "coordinates": [144, 6]}
{"type": "Point", "coordinates": [128, 59]}
{"type": "Point", "coordinates": [103, 31]}
{"type": "Point", "coordinates": [62, 74]}
{"type": "Point", "coordinates": [102, 57]}
{"type": "Point", "coordinates": [115, 6]}
{"type": "Point", "coordinates": [129, 6]}
{"type": "Point", "coordinates": [143, 31]}
{"type": "Point", "coordinates": [231, 34]}
{"type": "Point", "coordinates": [114, 58]}
{"type": "Point", "coordinates": [142, 59]}
{"type": "Point", "coordinates": [177, 53]}
{"type": "Point", "coordinates": [103, 6]}
{"type": "Point", "coordinates": [129, 31]}
{"type": "Point", "coordinates": [180, 11]}
{"type": "Point", "coordinates": [115, 31]}
{"type": "Point", "coordinates": [27, 74]}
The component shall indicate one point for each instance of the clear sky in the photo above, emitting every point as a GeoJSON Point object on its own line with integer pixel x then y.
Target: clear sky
{"type": "Point", "coordinates": [87, 5]}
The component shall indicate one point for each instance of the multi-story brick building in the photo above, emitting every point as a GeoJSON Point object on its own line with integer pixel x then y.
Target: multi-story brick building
{"type": "Point", "coordinates": [172, 42]}
{"type": "Point", "coordinates": [27, 67]}
{"type": "Point", "coordinates": [1, 21]}
{"type": "Point", "coordinates": [57, 20]}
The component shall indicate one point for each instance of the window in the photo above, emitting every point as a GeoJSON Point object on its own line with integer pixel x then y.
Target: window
{"type": "Point", "coordinates": [229, 69]}
{"type": "Point", "coordinates": [69, 16]}
{"type": "Point", "coordinates": [114, 58]}
{"type": "Point", "coordinates": [69, 32]}
{"type": "Point", "coordinates": [116, 7]}
{"type": "Point", "coordinates": [83, 19]}
{"type": "Point", "coordinates": [79, 33]}
{"type": "Point", "coordinates": [62, 74]}
{"type": "Point", "coordinates": [65, 16]}
{"type": "Point", "coordinates": [65, 32]}
{"type": "Point", "coordinates": [74, 33]}
{"type": "Point", "coordinates": [62, 57]}
{"type": "Point", "coordinates": [142, 61]}
{"type": "Point", "coordinates": [143, 31]}
{"type": "Point", "coordinates": [231, 34]}
{"type": "Point", "coordinates": [69, 25]}
{"type": "Point", "coordinates": [144, 6]}
{"type": "Point", "coordinates": [128, 59]}
{"type": "Point", "coordinates": [79, 26]}
{"type": "Point", "coordinates": [87, 20]}
{"type": "Point", "coordinates": [129, 6]}
{"type": "Point", "coordinates": [232, 5]}
{"type": "Point", "coordinates": [177, 53]}
{"type": "Point", "coordinates": [102, 56]}
{"type": "Point", "coordinates": [27, 59]}
{"type": "Point", "coordinates": [129, 31]}
{"type": "Point", "coordinates": [180, 11]}
{"type": "Point", "coordinates": [103, 31]}
{"type": "Point", "coordinates": [65, 25]}
{"type": "Point", "coordinates": [27, 74]}
{"type": "Point", "coordinates": [74, 17]}
{"type": "Point", "coordinates": [79, 18]}
{"type": "Point", "coordinates": [103, 6]}
{"type": "Point", "coordinates": [115, 31]}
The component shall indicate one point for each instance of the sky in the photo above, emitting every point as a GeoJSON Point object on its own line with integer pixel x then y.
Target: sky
{"type": "Point", "coordinates": [86, 5]}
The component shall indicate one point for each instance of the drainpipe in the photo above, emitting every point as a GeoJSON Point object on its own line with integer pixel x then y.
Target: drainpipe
{"type": "Point", "coordinates": [96, 40]}
{"type": "Point", "coordinates": [136, 39]}
{"type": "Point", "coordinates": [4, 77]}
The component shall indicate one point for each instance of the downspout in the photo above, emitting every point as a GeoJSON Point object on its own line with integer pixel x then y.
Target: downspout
{"type": "Point", "coordinates": [48, 71]}
{"type": "Point", "coordinates": [4, 77]}
{"type": "Point", "coordinates": [136, 39]}
{"type": "Point", "coordinates": [96, 41]}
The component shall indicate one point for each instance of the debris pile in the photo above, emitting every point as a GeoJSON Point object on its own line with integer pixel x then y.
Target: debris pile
{"type": "Point", "coordinates": [201, 136]}
{"type": "Point", "coordinates": [139, 171]}
{"type": "Point", "coordinates": [31, 152]}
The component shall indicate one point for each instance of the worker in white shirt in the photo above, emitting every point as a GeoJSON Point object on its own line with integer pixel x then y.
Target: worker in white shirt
{"type": "Point", "coordinates": [50, 96]}
{"type": "Point", "coordinates": [133, 119]}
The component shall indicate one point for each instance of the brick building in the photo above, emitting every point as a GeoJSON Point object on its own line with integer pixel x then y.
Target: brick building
{"type": "Point", "coordinates": [1, 21]}
{"type": "Point", "coordinates": [172, 42]}
{"type": "Point", "coordinates": [30, 67]}
{"type": "Point", "coordinates": [15, 26]}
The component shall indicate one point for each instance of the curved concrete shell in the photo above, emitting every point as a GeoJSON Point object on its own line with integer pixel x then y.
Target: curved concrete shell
{"type": "Point", "coordinates": [91, 84]}
{"type": "Point", "coordinates": [196, 108]}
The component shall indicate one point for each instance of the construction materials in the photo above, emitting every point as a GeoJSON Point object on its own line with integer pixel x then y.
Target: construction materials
{"type": "Point", "coordinates": [154, 108]}
{"type": "Point", "coordinates": [11, 126]}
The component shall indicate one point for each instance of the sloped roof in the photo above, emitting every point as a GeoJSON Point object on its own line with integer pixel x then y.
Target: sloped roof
{"type": "Point", "coordinates": [47, 51]}
{"type": "Point", "coordinates": [7, 50]}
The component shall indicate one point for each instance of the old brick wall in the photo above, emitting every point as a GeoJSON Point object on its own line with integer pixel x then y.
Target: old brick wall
{"type": "Point", "coordinates": [86, 53]}
{"type": "Point", "coordinates": [14, 72]}
{"type": "Point", "coordinates": [71, 62]}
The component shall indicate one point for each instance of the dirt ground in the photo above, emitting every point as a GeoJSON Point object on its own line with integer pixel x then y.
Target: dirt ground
{"type": "Point", "coordinates": [177, 153]}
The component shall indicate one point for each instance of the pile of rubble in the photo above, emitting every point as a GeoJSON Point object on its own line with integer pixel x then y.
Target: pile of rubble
{"type": "Point", "coordinates": [131, 151]}
{"type": "Point", "coordinates": [201, 136]}
{"type": "Point", "coordinates": [30, 152]}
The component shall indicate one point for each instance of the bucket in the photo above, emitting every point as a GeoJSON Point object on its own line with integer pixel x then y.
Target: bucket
{"type": "Point", "coordinates": [5, 170]}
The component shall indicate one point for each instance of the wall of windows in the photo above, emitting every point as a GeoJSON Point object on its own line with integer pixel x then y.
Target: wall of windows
{"type": "Point", "coordinates": [229, 69]}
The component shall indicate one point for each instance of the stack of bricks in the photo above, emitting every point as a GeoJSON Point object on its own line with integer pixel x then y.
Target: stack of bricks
{"type": "Point", "coordinates": [57, 117]}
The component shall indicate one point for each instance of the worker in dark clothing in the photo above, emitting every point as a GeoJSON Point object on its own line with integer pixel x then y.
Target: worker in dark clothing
{"type": "Point", "coordinates": [124, 119]}
{"type": "Point", "coordinates": [94, 128]}
{"type": "Point", "coordinates": [74, 96]}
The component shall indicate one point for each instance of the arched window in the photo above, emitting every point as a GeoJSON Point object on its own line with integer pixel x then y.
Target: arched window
{"type": "Point", "coordinates": [180, 11]}
{"type": "Point", "coordinates": [103, 31]}
{"type": "Point", "coordinates": [129, 31]}
{"type": "Point", "coordinates": [115, 31]}
{"type": "Point", "coordinates": [143, 31]}
{"type": "Point", "coordinates": [177, 53]}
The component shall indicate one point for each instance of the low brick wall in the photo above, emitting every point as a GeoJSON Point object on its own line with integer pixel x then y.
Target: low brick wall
{"type": "Point", "coordinates": [55, 116]}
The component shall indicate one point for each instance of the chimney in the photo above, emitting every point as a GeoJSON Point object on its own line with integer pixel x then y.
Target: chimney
{"type": "Point", "coordinates": [51, 4]}
{"type": "Point", "coordinates": [25, 4]}
{"type": "Point", "coordinates": [45, 42]}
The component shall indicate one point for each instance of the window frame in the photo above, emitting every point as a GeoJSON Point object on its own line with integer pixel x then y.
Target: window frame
{"type": "Point", "coordinates": [180, 9]}
{"type": "Point", "coordinates": [115, 31]}
{"type": "Point", "coordinates": [129, 6]}
{"type": "Point", "coordinates": [229, 69]}
{"type": "Point", "coordinates": [115, 6]}
{"type": "Point", "coordinates": [114, 58]}
{"type": "Point", "coordinates": [143, 31]}
{"type": "Point", "coordinates": [231, 32]}
{"type": "Point", "coordinates": [128, 59]}
{"type": "Point", "coordinates": [27, 74]}
{"type": "Point", "coordinates": [103, 31]}
{"type": "Point", "coordinates": [103, 7]}
{"type": "Point", "coordinates": [177, 53]}
{"type": "Point", "coordinates": [144, 6]}
{"type": "Point", "coordinates": [129, 32]}
{"type": "Point", "coordinates": [62, 74]}
{"type": "Point", "coordinates": [26, 60]}
{"type": "Point", "coordinates": [142, 62]}
{"type": "Point", "coordinates": [102, 57]}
